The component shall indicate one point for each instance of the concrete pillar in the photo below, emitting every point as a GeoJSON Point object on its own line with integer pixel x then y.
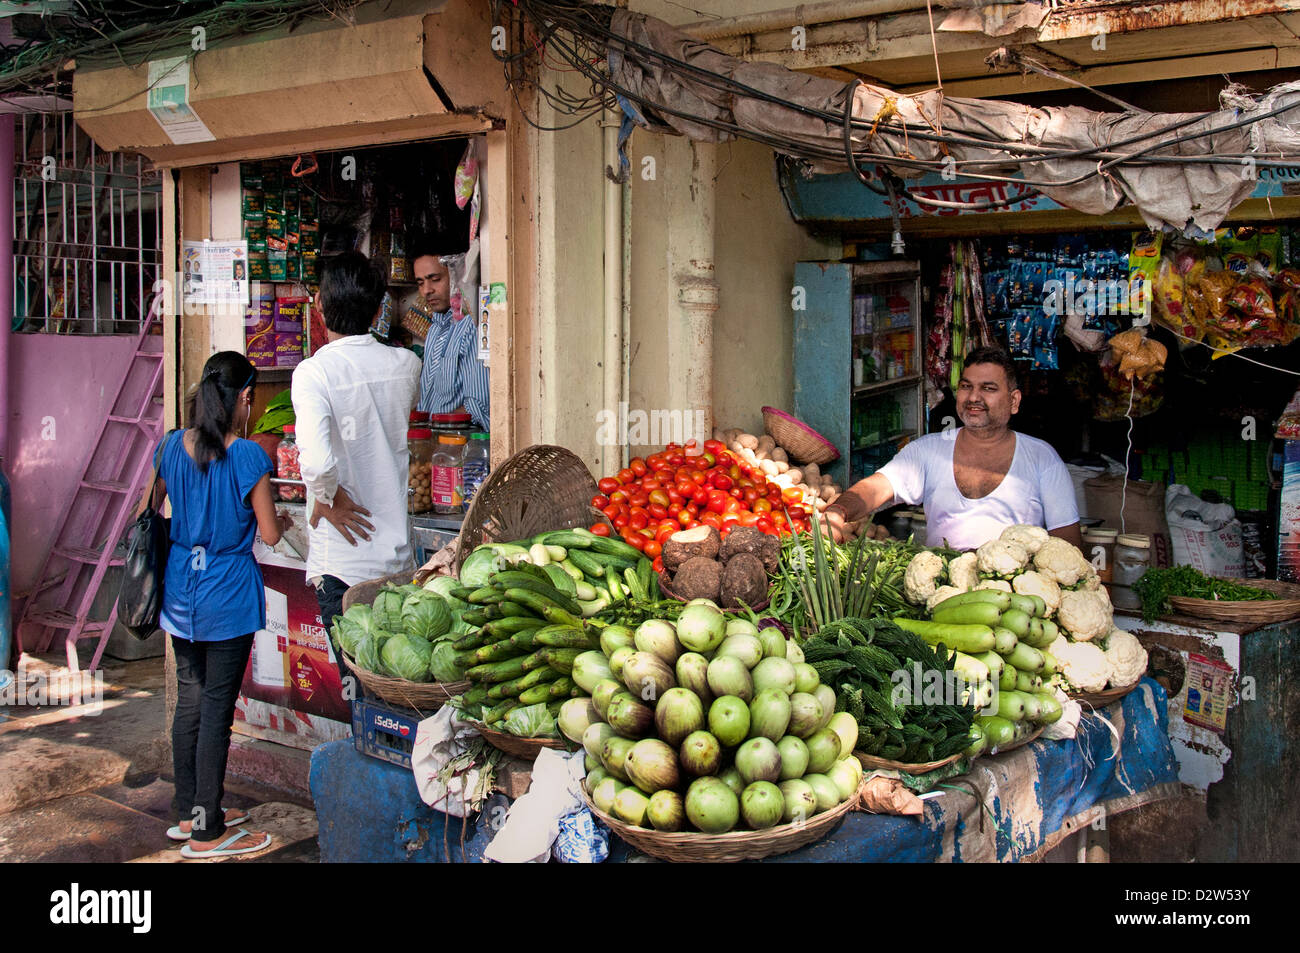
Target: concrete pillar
{"type": "Point", "coordinates": [7, 123]}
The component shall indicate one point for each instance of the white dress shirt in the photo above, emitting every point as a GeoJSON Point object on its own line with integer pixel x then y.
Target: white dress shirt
{"type": "Point", "coordinates": [353, 400]}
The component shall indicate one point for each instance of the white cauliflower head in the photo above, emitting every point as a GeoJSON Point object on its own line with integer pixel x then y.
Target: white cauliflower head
{"type": "Point", "coordinates": [1030, 537]}
{"type": "Point", "coordinates": [922, 577]}
{"type": "Point", "coordinates": [998, 585]}
{"type": "Point", "coordinates": [1083, 664]}
{"type": "Point", "coordinates": [1086, 615]}
{"type": "Point", "coordinates": [999, 558]}
{"type": "Point", "coordinates": [1127, 657]}
{"type": "Point", "coordinates": [1061, 562]}
{"type": "Point", "coordinates": [940, 594]}
{"type": "Point", "coordinates": [963, 573]}
{"type": "Point", "coordinates": [1034, 583]}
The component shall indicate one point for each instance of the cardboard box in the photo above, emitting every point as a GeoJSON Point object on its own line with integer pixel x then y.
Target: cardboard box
{"type": "Point", "coordinates": [290, 315]}
{"type": "Point", "coordinates": [288, 350]}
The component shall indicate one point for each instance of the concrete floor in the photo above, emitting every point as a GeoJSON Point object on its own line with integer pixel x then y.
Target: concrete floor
{"type": "Point", "coordinates": [88, 783]}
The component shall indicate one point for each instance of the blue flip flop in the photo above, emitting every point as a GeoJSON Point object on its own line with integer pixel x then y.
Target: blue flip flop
{"type": "Point", "coordinates": [233, 817]}
{"type": "Point", "coordinates": [226, 848]}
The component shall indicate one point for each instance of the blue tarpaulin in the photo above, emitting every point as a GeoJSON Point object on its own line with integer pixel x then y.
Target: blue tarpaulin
{"type": "Point", "coordinates": [1031, 797]}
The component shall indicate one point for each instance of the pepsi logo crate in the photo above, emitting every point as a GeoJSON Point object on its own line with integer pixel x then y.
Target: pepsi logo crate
{"type": "Point", "coordinates": [384, 731]}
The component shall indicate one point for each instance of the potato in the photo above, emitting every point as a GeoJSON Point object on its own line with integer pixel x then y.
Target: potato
{"type": "Point", "coordinates": [836, 489]}
{"type": "Point", "coordinates": [732, 434]}
{"type": "Point", "coordinates": [830, 497]}
{"type": "Point", "coordinates": [748, 440]}
{"type": "Point", "coordinates": [812, 473]}
{"type": "Point", "coordinates": [781, 465]}
{"type": "Point", "coordinates": [748, 456]}
{"type": "Point", "coordinates": [768, 467]}
{"type": "Point", "coordinates": [779, 455]}
{"type": "Point", "coordinates": [736, 446]}
{"type": "Point", "coordinates": [766, 443]}
{"type": "Point", "coordinates": [795, 475]}
{"type": "Point", "coordinates": [720, 436]}
{"type": "Point", "coordinates": [760, 454]}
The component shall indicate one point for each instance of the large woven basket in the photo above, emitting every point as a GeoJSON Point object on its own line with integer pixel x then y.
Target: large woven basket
{"type": "Point", "coordinates": [1103, 698]}
{"type": "Point", "coordinates": [1281, 609]}
{"type": "Point", "coordinates": [695, 848]}
{"type": "Point", "coordinates": [1028, 739]}
{"type": "Point", "coordinates": [526, 749]}
{"type": "Point", "coordinates": [363, 593]}
{"type": "Point", "coordinates": [872, 763]}
{"type": "Point", "coordinates": [421, 696]}
{"type": "Point", "coordinates": [541, 487]}
{"type": "Point", "coordinates": [797, 439]}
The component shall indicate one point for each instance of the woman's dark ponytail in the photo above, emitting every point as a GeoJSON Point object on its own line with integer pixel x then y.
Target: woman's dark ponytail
{"type": "Point", "coordinates": [225, 376]}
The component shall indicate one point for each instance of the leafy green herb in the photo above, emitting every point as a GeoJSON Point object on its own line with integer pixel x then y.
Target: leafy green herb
{"type": "Point", "coordinates": [1157, 585]}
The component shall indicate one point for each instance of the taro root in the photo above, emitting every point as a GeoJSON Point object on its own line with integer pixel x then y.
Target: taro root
{"type": "Point", "coordinates": [748, 539]}
{"type": "Point", "coordinates": [684, 544]}
{"type": "Point", "coordinates": [744, 580]}
{"type": "Point", "coordinates": [698, 578]}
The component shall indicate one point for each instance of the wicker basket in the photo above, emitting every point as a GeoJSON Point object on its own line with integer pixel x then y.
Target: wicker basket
{"type": "Point", "coordinates": [540, 488]}
{"type": "Point", "coordinates": [797, 439]}
{"type": "Point", "coordinates": [1281, 609]}
{"type": "Point", "coordinates": [694, 848]}
{"type": "Point", "coordinates": [363, 593]}
{"type": "Point", "coordinates": [872, 763]}
{"type": "Point", "coordinates": [666, 588]}
{"type": "Point", "coordinates": [526, 749]}
{"type": "Point", "coordinates": [421, 696]}
{"type": "Point", "coordinates": [1102, 699]}
{"type": "Point", "coordinates": [1016, 744]}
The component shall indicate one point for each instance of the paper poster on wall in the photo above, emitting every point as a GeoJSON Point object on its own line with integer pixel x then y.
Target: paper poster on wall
{"type": "Point", "coordinates": [484, 323]}
{"type": "Point", "coordinates": [216, 273]}
{"type": "Point", "coordinates": [169, 101]}
{"type": "Point", "coordinates": [1209, 687]}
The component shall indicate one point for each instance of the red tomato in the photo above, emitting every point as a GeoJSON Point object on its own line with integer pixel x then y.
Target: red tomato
{"type": "Point", "coordinates": [665, 530]}
{"type": "Point", "coordinates": [736, 493]}
{"type": "Point", "coordinates": [640, 498]}
{"type": "Point", "coordinates": [659, 564]}
{"type": "Point", "coordinates": [612, 510]}
{"type": "Point", "coordinates": [792, 495]}
{"type": "Point", "coordinates": [762, 506]}
{"type": "Point", "coordinates": [749, 495]}
{"type": "Point", "coordinates": [699, 476]}
{"type": "Point", "coordinates": [620, 521]}
{"type": "Point", "coordinates": [685, 517]}
{"type": "Point", "coordinates": [686, 487]}
{"type": "Point", "coordinates": [676, 459]}
{"type": "Point", "coordinates": [599, 529]}
{"type": "Point", "coordinates": [658, 511]}
{"type": "Point", "coordinates": [710, 458]}
{"type": "Point", "coordinates": [672, 446]}
{"type": "Point", "coordinates": [619, 496]}
{"type": "Point", "coordinates": [599, 501]}
{"type": "Point", "coordinates": [676, 498]}
{"type": "Point", "coordinates": [780, 520]}
{"type": "Point", "coordinates": [638, 519]}
{"type": "Point", "coordinates": [626, 476]}
{"type": "Point", "coordinates": [693, 509]}
{"type": "Point", "coordinates": [796, 512]}
{"type": "Point", "coordinates": [730, 521]}
{"type": "Point", "coordinates": [660, 497]}
{"type": "Point", "coordinates": [766, 525]}
{"type": "Point", "coordinates": [657, 463]}
{"type": "Point", "coordinates": [635, 539]}
{"type": "Point", "coordinates": [638, 466]}
{"type": "Point", "coordinates": [748, 519]}
{"type": "Point", "coordinates": [700, 496]}
{"type": "Point", "coordinates": [734, 472]}
{"type": "Point", "coordinates": [720, 480]}
{"type": "Point", "coordinates": [714, 446]}
{"type": "Point", "coordinates": [718, 501]}
{"type": "Point", "coordinates": [732, 505]}
{"type": "Point", "coordinates": [608, 485]}
{"type": "Point", "coordinates": [674, 509]}
{"type": "Point", "coordinates": [712, 519]}
{"type": "Point", "coordinates": [653, 549]}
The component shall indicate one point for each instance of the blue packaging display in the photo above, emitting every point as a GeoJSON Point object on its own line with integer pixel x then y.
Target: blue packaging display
{"type": "Point", "coordinates": [581, 840]}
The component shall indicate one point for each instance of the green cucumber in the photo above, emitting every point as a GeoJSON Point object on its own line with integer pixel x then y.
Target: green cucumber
{"type": "Point", "coordinates": [568, 539]}
{"type": "Point", "coordinates": [607, 545]}
{"type": "Point", "coordinates": [512, 688]}
{"type": "Point", "coordinates": [562, 687]}
{"type": "Point", "coordinates": [590, 567]}
{"type": "Point", "coordinates": [565, 637]}
{"type": "Point", "coordinates": [545, 604]}
{"type": "Point", "coordinates": [572, 571]}
{"type": "Point", "coordinates": [495, 672]}
{"type": "Point", "coordinates": [561, 660]}
{"type": "Point", "coordinates": [485, 595]}
{"type": "Point", "coordinates": [495, 652]}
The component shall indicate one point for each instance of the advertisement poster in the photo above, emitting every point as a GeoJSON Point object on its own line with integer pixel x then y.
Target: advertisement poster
{"type": "Point", "coordinates": [216, 273]}
{"type": "Point", "coordinates": [1209, 689]}
{"type": "Point", "coordinates": [292, 663]}
{"type": "Point", "coordinates": [169, 101]}
{"type": "Point", "coordinates": [1288, 523]}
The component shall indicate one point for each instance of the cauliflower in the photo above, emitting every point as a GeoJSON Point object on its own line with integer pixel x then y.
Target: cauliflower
{"type": "Point", "coordinates": [1085, 615]}
{"type": "Point", "coordinates": [1000, 558]}
{"type": "Point", "coordinates": [1084, 666]}
{"type": "Point", "coordinates": [999, 585]}
{"type": "Point", "coordinates": [1030, 537]}
{"type": "Point", "coordinates": [922, 577]}
{"type": "Point", "coordinates": [1127, 657]}
{"type": "Point", "coordinates": [1033, 583]}
{"type": "Point", "coordinates": [1062, 563]}
{"type": "Point", "coordinates": [940, 594]}
{"type": "Point", "coordinates": [962, 572]}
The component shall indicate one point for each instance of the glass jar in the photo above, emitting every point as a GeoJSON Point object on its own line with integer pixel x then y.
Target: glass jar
{"type": "Point", "coordinates": [1132, 559]}
{"type": "Point", "coordinates": [448, 477]}
{"type": "Point", "coordinates": [287, 467]}
{"type": "Point", "coordinates": [1099, 549]}
{"type": "Point", "coordinates": [419, 484]}
{"type": "Point", "coordinates": [478, 463]}
{"type": "Point", "coordinates": [457, 425]}
{"type": "Point", "coordinates": [419, 419]}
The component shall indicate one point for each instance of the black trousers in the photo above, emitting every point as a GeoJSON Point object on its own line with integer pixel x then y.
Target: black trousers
{"type": "Point", "coordinates": [208, 676]}
{"type": "Point", "coordinates": [329, 597]}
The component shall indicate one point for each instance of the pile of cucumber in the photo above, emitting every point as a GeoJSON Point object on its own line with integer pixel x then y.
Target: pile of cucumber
{"type": "Point", "coordinates": [998, 639]}
{"type": "Point", "coordinates": [531, 620]}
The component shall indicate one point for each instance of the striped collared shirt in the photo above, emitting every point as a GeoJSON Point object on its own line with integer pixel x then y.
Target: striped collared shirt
{"type": "Point", "coordinates": [452, 374]}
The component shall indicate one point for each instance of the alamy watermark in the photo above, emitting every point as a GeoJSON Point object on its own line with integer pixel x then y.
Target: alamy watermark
{"type": "Point", "coordinates": [38, 689]}
{"type": "Point", "coordinates": [640, 428]}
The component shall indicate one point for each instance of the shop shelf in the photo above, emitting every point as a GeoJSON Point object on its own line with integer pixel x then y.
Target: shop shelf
{"type": "Point", "coordinates": [881, 386]}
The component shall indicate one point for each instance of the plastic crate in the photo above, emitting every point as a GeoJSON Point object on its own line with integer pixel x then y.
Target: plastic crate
{"type": "Point", "coordinates": [384, 731]}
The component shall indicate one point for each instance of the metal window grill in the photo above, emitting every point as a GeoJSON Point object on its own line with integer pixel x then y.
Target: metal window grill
{"type": "Point", "coordinates": [87, 226]}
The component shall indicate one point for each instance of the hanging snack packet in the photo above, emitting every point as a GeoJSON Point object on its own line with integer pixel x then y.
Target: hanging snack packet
{"type": "Point", "coordinates": [1237, 246]}
{"type": "Point", "coordinates": [1269, 251]}
{"type": "Point", "coordinates": [1143, 264]}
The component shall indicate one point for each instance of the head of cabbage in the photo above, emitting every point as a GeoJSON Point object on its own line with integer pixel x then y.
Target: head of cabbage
{"type": "Point", "coordinates": [369, 646]}
{"type": "Point", "coordinates": [531, 721]}
{"type": "Point", "coordinates": [425, 615]}
{"type": "Point", "coordinates": [443, 585]}
{"type": "Point", "coordinates": [350, 626]}
{"type": "Point", "coordinates": [407, 656]}
{"type": "Point", "coordinates": [388, 609]}
{"type": "Point", "coordinates": [442, 662]}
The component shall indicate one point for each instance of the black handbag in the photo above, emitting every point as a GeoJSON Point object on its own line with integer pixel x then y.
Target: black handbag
{"type": "Point", "coordinates": [148, 540]}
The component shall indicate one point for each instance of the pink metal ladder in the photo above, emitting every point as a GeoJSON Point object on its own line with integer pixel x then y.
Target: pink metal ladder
{"type": "Point", "coordinates": [100, 510]}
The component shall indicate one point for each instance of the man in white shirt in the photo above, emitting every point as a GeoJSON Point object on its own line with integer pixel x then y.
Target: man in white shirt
{"type": "Point", "coordinates": [353, 400]}
{"type": "Point", "coordinates": [978, 479]}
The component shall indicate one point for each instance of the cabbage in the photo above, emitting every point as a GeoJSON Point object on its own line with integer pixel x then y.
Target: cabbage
{"type": "Point", "coordinates": [479, 565]}
{"type": "Point", "coordinates": [531, 721]}
{"type": "Point", "coordinates": [369, 646]}
{"type": "Point", "coordinates": [407, 656]}
{"type": "Point", "coordinates": [388, 610]}
{"type": "Point", "coordinates": [425, 615]}
{"type": "Point", "coordinates": [443, 585]}
{"type": "Point", "coordinates": [350, 626]}
{"type": "Point", "coordinates": [442, 663]}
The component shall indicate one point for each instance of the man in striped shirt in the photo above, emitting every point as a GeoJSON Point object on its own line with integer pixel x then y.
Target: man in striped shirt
{"type": "Point", "coordinates": [453, 378]}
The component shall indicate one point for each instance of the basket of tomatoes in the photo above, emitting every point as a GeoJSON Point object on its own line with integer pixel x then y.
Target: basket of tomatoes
{"type": "Point", "coordinates": [689, 485]}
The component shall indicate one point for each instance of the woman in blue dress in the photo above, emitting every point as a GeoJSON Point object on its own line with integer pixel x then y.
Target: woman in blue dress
{"type": "Point", "coordinates": [213, 601]}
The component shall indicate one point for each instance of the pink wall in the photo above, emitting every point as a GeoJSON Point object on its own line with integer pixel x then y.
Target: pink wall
{"type": "Point", "coordinates": [69, 381]}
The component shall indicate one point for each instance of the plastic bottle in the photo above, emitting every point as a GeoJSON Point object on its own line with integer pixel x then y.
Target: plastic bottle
{"type": "Point", "coordinates": [477, 464]}
{"type": "Point", "coordinates": [448, 480]}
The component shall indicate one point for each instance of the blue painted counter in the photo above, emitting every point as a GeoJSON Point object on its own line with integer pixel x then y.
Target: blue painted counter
{"type": "Point", "coordinates": [371, 811]}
